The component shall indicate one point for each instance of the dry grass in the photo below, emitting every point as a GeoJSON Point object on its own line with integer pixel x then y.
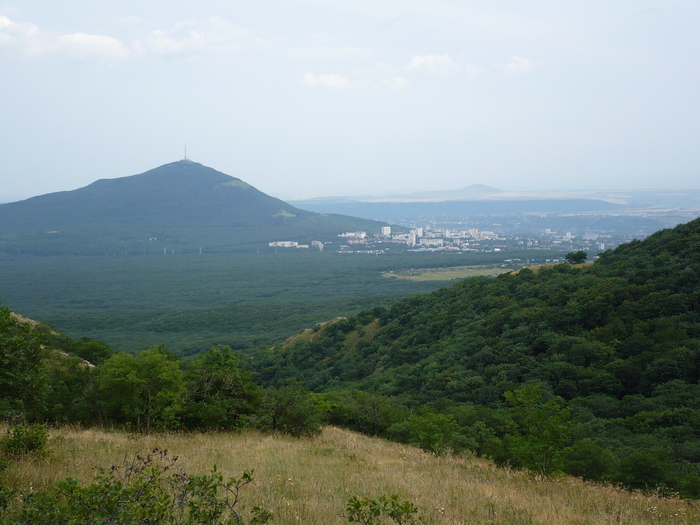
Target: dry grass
{"type": "Point", "coordinates": [309, 481]}
{"type": "Point", "coordinates": [311, 334]}
{"type": "Point", "coordinates": [447, 274]}
{"type": "Point", "coordinates": [539, 267]}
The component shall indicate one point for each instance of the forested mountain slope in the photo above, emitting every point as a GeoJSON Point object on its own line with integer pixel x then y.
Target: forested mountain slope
{"type": "Point", "coordinates": [182, 205]}
{"type": "Point", "coordinates": [624, 325]}
{"type": "Point", "coordinates": [614, 345]}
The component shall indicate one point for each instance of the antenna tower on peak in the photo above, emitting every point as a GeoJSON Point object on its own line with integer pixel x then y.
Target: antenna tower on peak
{"type": "Point", "coordinates": [185, 152]}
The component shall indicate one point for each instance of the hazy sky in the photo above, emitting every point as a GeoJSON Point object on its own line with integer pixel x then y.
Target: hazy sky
{"type": "Point", "coordinates": [352, 96]}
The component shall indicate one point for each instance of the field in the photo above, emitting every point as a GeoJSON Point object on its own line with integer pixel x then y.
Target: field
{"type": "Point", "coordinates": [447, 274]}
{"type": "Point", "coordinates": [191, 302]}
{"type": "Point", "coordinates": [309, 481]}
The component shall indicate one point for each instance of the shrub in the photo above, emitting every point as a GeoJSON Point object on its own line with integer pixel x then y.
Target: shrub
{"type": "Point", "coordinates": [290, 410]}
{"type": "Point", "coordinates": [24, 439]}
{"type": "Point", "coordinates": [153, 489]}
{"type": "Point", "coordinates": [588, 460]}
{"type": "Point", "coordinates": [368, 511]}
{"type": "Point", "coordinates": [433, 432]}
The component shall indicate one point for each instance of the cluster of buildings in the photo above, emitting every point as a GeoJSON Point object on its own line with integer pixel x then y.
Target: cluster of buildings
{"type": "Point", "coordinates": [294, 244]}
{"type": "Point", "coordinates": [462, 240]}
{"type": "Point", "coordinates": [435, 238]}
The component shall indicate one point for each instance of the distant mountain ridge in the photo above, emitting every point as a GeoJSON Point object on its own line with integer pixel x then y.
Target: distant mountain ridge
{"type": "Point", "coordinates": [184, 202]}
{"type": "Point", "coordinates": [456, 208]}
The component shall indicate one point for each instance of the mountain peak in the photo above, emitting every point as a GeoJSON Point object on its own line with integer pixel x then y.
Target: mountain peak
{"type": "Point", "coordinates": [184, 203]}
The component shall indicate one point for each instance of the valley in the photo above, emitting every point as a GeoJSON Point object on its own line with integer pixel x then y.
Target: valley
{"type": "Point", "coordinates": [190, 302]}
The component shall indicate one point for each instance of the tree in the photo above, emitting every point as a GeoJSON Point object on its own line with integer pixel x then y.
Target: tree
{"type": "Point", "coordinates": [20, 359]}
{"type": "Point", "coordinates": [146, 389]}
{"type": "Point", "coordinates": [544, 429]}
{"type": "Point", "coordinates": [433, 432]}
{"type": "Point", "coordinates": [220, 394]}
{"type": "Point", "coordinates": [588, 460]}
{"type": "Point", "coordinates": [576, 257]}
{"type": "Point", "coordinates": [290, 410]}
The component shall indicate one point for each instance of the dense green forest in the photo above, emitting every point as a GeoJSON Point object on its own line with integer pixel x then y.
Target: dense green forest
{"type": "Point", "coordinates": [593, 368]}
{"type": "Point", "coordinates": [190, 302]}
{"type": "Point", "coordinates": [590, 370]}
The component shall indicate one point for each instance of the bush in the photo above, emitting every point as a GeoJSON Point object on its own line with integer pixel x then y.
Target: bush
{"type": "Point", "coordinates": [290, 410]}
{"type": "Point", "coordinates": [368, 511]}
{"type": "Point", "coordinates": [153, 489]}
{"type": "Point", "coordinates": [25, 439]}
{"type": "Point", "coordinates": [643, 468]}
{"type": "Point", "coordinates": [588, 460]}
{"type": "Point", "coordinates": [433, 433]}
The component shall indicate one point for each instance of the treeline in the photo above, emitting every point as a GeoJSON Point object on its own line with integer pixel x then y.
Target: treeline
{"type": "Point", "coordinates": [612, 348]}
{"type": "Point", "coordinates": [48, 377]}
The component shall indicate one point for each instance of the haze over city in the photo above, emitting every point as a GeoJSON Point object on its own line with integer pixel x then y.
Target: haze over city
{"type": "Point", "coordinates": [336, 97]}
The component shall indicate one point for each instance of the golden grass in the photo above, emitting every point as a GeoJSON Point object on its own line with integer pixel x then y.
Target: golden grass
{"type": "Point", "coordinates": [448, 273]}
{"type": "Point", "coordinates": [309, 481]}
{"type": "Point", "coordinates": [539, 267]}
{"type": "Point", "coordinates": [311, 334]}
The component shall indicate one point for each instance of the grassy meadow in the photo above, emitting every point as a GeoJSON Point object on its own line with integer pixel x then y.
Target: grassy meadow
{"type": "Point", "coordinates": [448, 274]}
{"type": "Point", "coordinates": [309, 481]}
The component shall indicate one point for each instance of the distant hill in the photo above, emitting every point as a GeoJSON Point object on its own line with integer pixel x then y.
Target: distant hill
{"type": "Point", "coordinates": [456, 207]}
{"type": "Point", "coordinates": [472, 192]}
{"type": "Point", "coordinates": [178, 206]}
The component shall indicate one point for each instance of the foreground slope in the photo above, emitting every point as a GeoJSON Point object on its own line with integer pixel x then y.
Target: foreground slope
{"type": "Point", "coordinates": [310, 481]}
{"type": "Point", "coordinates": [181, 205]}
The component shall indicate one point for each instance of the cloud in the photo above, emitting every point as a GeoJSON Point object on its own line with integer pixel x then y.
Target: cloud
{"type": "Point", "coordinates": [82, 46]}
{"type": "Point", "coordinates": [434, 64]}
{"type": "Point", "coordinates": [332, 81]}
{"type": "Point", "coordinates": [442, 65]}
{"type": "Point", "coordinates": [518, 65]}
{"type": "Point", "coordinates": [29, 39]}
{"type": "Point", "coordinates": [214, 35]}
{"type": "Point", "coordinates": [17, 35]}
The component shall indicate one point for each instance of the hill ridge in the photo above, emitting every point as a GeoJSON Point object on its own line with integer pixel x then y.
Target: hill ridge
{"type": "Point", "coordinates": [186, 202]}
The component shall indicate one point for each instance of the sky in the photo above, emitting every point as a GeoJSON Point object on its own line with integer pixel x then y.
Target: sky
{"type": "Point", "coordinates": [344, 97]}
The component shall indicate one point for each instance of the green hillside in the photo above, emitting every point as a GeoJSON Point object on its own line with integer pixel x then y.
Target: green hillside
{"type": "Point", "coordinates": [611, 349]}
{"type": "Point", "coordinates": [180, 206]}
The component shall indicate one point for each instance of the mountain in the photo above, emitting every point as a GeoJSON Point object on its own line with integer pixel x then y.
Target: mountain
{"type": "Point", "coordinates": [472, 192]}
{"type": "Point", "coordinates": [610, 350]}
{"type": "Point", "coordinates": [455, 208]}
{"type": "Point", "coordinates": [182, 205]}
